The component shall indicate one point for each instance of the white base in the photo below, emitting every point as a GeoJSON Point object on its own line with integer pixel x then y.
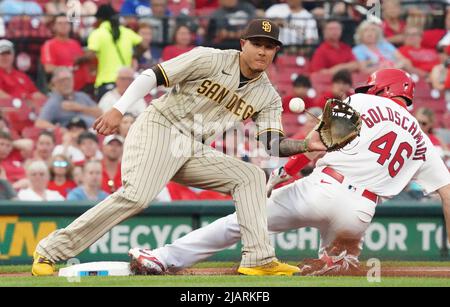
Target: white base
{"type": "Point", "coordinates": [102, 268]}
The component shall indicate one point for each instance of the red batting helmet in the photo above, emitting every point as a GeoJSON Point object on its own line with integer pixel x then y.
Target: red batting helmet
{"type": "Point", "coordinates": [389, 83]}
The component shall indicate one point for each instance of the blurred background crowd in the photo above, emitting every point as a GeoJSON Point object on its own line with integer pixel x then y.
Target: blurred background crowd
{"type": "Point", "coordinates": [63, 63]}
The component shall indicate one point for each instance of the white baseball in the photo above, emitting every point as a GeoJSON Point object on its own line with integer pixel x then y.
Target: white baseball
{"type": "Point", "coordinates": [297, 105]}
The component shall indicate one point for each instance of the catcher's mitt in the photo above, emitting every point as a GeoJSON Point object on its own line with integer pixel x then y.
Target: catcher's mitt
{"type": "Point", "coordinates": [340, 124]}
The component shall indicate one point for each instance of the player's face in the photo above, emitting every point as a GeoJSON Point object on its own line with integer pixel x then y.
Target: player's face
{"type": "Point", "coordinates": [258, 53]}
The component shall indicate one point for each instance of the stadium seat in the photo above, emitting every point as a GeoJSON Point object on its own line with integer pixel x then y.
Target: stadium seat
{"type": "Point", "coordinates": [20, 118]}
{"type": "Point", "coordinates": [359, 78]}
{"type": "Point", "coordinates": [31, 132]}
{"type": "Point", "coordinates": [290, 124]}
{"type": "Point", "coordinates": [284, 89]}
{"type": "Point", "coordinates": [321, 82]}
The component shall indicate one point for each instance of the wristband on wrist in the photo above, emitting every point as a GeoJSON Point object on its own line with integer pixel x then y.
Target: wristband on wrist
{"type": "Point", "coordinates": [295, 164]}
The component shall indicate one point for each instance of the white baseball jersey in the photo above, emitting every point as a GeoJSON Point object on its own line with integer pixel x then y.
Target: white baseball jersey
{"type": "Point", "coordinates": [205, 98]}
{"type": "Point", "coordinates": [391, 150]}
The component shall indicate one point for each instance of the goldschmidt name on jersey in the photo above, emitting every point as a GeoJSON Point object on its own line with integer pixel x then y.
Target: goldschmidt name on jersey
{"type": "Point", "coordinates": [377, 115]}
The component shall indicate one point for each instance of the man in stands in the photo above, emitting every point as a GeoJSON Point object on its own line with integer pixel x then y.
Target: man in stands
{"type": "Point", "coordinates": [333, 55]}
{"type": "Point", "coordinates": [64, 103]}
{"type": "Point", "coordinates": [14, 83]}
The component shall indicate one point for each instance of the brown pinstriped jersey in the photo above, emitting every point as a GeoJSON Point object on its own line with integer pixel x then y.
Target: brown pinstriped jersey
{"type": "Point", "coordinates": [204, 98]}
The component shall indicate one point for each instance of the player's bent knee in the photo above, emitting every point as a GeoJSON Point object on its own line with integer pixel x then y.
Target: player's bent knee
{"type": "Point", "coordinates": [257, 175]}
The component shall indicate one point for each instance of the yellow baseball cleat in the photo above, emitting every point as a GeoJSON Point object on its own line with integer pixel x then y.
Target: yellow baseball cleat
{"type": "Point", "coordinates": [272, 268]}
{"type": "Point", "coordinates": [42, 266]}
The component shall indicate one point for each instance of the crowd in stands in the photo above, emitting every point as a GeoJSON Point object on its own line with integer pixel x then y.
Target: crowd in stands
{"type": "Point", "coordinates": [60, 69]}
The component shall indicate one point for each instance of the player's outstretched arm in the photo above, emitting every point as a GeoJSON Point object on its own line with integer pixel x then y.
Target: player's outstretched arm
{"type": "Point", "coordinates": [279, 146]}
{"type": "Point", "coordinates": [444, 193]}
{"type": "Point", "coordinates": [109, 122]}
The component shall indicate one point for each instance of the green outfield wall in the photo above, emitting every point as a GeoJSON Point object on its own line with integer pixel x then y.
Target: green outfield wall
{"type": "Point", "coordinates": [399, 231]}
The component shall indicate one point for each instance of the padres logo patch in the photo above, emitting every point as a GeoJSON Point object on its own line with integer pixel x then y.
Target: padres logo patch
{"type": "Point", "coordinates": [266, 26]}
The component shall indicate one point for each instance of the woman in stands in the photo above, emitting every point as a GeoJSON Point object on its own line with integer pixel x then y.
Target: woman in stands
{"type": "Point", "coordinates": [374, 52]}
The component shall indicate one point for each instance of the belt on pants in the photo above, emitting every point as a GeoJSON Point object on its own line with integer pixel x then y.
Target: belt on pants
{"type": "Point", "coordinates": [340, 178]}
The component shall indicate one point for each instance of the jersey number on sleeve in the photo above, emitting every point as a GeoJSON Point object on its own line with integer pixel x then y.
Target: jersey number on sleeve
{"type": "Point", "coordinates": [398, 160]}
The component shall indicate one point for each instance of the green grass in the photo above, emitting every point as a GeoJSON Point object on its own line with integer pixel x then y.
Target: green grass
{"type": "Point", "coordinates": [221, 281]}
{"type": "Point", "coordinates": [224, 281]}
{"type": "Point", "coordinates": [27, 268]}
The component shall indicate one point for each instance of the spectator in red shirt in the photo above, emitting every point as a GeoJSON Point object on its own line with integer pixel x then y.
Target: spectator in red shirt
{"type": "Point", "coordinates": [61, 50]}
{"type": "Point", "coordinates": [393, 25]}
{"type": "Point", "coordinates": [341, 88]}
{"type": "Point", "coordinates": [301, 87]}
{"type": "Point", "coordinates": [182, 39]}
{"type": "Point", "coordinates": [61, 179]}
{"type": "Point", "coordinates": [14, 83]}
{"type": "Point", "coordinates": [11, 166]}
{"type": "Point", "coordinates": [333, 55]}
{"type": "Point", "coordinates": [423, 60]}
{"type": "Point", "coordinates": [112, 154]}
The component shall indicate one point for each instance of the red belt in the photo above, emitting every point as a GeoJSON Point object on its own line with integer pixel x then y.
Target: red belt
{"type": "Point", "coordinates": [340, 178]}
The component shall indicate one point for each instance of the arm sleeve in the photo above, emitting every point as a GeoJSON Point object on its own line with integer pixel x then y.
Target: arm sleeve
{"type": "Point", "coordinates": [296, 163]}
{"type": "Point", "coordinates": [138, 89]}
{"type": "Point", "coordinates": [191, 65]}
{"type": "Point", "coordinates": [433, 174]}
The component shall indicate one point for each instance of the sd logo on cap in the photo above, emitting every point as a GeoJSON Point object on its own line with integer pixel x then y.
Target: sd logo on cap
{"type": "Point", "coordinates": [262, 28]}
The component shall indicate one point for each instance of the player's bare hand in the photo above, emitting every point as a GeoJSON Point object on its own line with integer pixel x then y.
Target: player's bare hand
{"type": "Point", "coordinates": [108, 123]}
{"type": "Point", "coordinates": [314, 142]}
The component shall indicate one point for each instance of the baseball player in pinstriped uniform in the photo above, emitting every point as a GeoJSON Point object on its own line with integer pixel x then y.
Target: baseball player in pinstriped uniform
{"type": "Point", "coordinates": [340, 196]}
{"type": "Point", "coordinates": [211, 87]}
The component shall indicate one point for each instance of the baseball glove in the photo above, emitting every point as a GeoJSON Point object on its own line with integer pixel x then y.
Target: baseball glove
{"type": "Point", "coordinates": [340, 124]}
